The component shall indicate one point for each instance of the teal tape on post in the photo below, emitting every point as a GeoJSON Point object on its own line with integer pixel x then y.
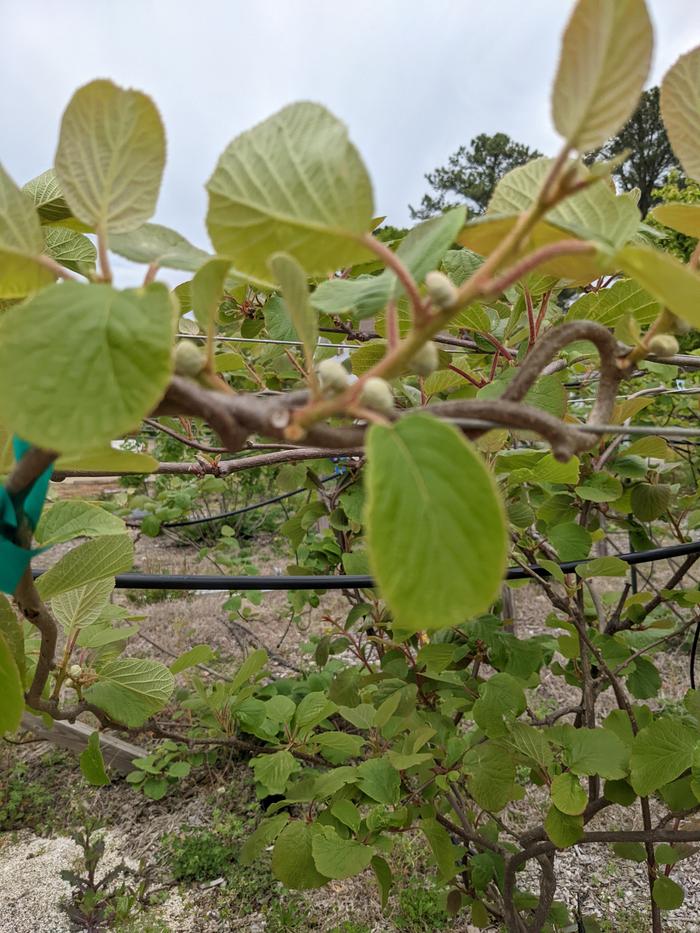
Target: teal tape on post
{"type": "Point", "coordinates": [15, 559]}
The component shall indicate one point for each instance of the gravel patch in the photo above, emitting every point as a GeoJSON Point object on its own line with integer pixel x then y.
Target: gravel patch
{"type": "Point", "coordinates": [31, 888]}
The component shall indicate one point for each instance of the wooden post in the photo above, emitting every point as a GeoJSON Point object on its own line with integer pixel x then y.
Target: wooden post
{"type": "Point", "coordinates": [74, 736]}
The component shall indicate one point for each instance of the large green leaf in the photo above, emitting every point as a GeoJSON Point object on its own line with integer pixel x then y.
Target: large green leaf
{"type": "Point", "coordinates": [73, 518]}
{"type": "Point", "coordinates": [292, 281]}
{"type": "Point", "coordinates": [73, 250]}
{"type": "Point", "coordinates": [292, 858]}
{"type": "Point", "coordinates": [563, 829]}
{"type": "Point", "coordinates": [605, 58]}
{"type": "Point", "coordinates": [110, 156]}
{"type": "Point", "coordinates": [595, 213]}
{"type": "Point", "coordinates": [447, 855]}
{"type": "Point", "coordinates": [295, 184]}
{"type": "Point", "coordinates": [339, 858]}
{"type": "Point", "coordinates": [106, 459]}
{"type": "Point", "coordinates": [265, 833]}
{"type": "Point", "coordinates": [682, 217]}
{"type": "Point", "coordinates": [567, 794]}
{"type": "Point", "coordinates": [11, 631]}
{"type": "Point", "coordinates": [83, 605]}
{"type": "Point", "coordinates": [667, 893]}
{"type": "Point", "coordinates": [207, 290]}
{"type": "Point", "coordinates": [680, 109]}
{"type": "Point", "coordinates": [131, 689]}
{"type": "Point", "coordinates": [11, 693]}
{"type": "Point", "coordinates": [160, 246]}
{"type": "Point", "coordinates": [501, 699]}
{"type": "Point", "coordinates": [435, 524]}
{"type": "Point", "coordinates": [379, 780]}
{"type": "Point", "coordinates": [595, 751]}
{"type": "Point", "coordinates": [104, 359]}
{"type": "Point", "coordinates": [420, 251]}
{"type": "Point", "coordinates": [273, 771]}
{"type": "Point", "coordinates": [484, 233]}
{"type": "Point", "coordinates": [663, 276]}
{"type": "Point", "coordinates": [610, 305]}
{"type": "Point", "coordinates": [94, 560]}
{"type": "Point", "coordinates": [92, 763]}
{"type": "Point", "coordinates": [49, 203]}
{"type": "Point", "coordinates": [661, 752]}
{"type": "Point", "coordinates": [491, 771]}
{"type": "Point", "coordinates": [21, 239]}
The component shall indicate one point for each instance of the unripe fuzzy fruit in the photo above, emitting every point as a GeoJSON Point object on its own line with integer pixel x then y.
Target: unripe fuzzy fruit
{"type": "Point", "coordinates": [189, 359]}
{"type": "Point", "coordinates": [75, 671]}
{"type": "Point", "coordinates": [442, 292]}
{"type": "Point", "coordinates": [376, 394]}
{"type": "Point", "coordinates": [425, 361]}
{"type": "Point", "coordinates": [663, 345]}
{"type": "Point", "coordinates": [333, 377]}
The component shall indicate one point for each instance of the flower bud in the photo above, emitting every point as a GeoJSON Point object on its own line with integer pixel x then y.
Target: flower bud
{"type": "Point", "coordinates": [333, 377]}
{"type": "Point", "coordinates": [75, 671]}
{"type": "Point", "coordinates": [376, 394]}
{"type": "Point", "coordinates": [425, 360]}
{"type": "Point", "coordinates": [189, 359]}
{"type": "Point", "coordinates": [442, 292]}
{"type": "Point", "coordinates": [663, 345]}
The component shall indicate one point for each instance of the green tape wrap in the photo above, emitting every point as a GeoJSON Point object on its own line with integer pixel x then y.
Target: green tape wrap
{"type": "Point", "coordinates": [15, 559]}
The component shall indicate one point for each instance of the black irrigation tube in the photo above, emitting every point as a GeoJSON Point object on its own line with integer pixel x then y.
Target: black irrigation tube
{"type": "Point", "coordinates": [213, 582]}
{"type": "Point", "coordinates": [246, 508]}
{"type": "Point", "coordinates": [153, 581]}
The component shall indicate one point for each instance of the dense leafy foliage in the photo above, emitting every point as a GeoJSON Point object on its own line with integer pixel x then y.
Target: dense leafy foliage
{"type": "Point", "coordinates": [493, 400]}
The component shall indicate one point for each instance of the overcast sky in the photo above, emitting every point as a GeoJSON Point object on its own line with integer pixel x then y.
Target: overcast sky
{"type": "Point", "coordinates": [413, 79]}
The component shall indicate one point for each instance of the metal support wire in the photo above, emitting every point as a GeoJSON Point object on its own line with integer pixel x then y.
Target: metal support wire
{"type": "Point", "coordinates": [245, 508]}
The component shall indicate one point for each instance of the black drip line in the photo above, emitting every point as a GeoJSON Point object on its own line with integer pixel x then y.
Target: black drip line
{"type": "Point", "coordinates": [211, 582]}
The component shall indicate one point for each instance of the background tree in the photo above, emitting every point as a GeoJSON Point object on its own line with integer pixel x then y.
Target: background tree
{"type": "Point", "coordinates": [677, 188]}
{"type": "Point", "coordinates": [651, 157]}
{"type": "Point", "coordinates": [471, 174]}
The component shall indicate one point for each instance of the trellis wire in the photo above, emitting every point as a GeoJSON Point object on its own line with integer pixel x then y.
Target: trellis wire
{"type": "Point", "coordinates": [246, 508]}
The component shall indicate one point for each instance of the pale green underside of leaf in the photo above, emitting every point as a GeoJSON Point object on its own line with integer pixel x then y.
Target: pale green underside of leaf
{"type": "Point", "coordinates": [605, 58]}
{"type": "Point", "coordinates": [101, 360]}
{"type": "Point", "coordinates": [292, 280]}
{"type": "Point", "coordinates": [131, 689]}
{"type": "Point", "coordinates": [435, 524]}
{"type": "Point", "coordinates": [207, 289]}
{"type": "Point", "coordinates": [680, 109]}
{"type": "Point", "coordinates": [294, 184]}
{"type": "Point", "coordinates": [21, 239]}
{"type": "Point", "coordinates": [52, 208]}
{"type": "Point", "coordinates": [110, 156]}
{"type": "Point", "coordinates": [73, 250]}
{"type": "Point", "coordinates": [610, 305]}
{"type": "Point", "coordinates": [97, 559]}
{"type": "Point", "coordinates": [154, 243]}
{"type": "Point", "coordinates": [83, 605]}
{"type": "Point", "coordinates": [420, 251]}
{"type": "Point", "coordinates": [595, 213]}
{"type": "Point", "coordinates": [663, 276]}
{"type": "Point", "coordinates": [682, 217]}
